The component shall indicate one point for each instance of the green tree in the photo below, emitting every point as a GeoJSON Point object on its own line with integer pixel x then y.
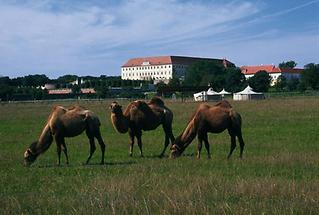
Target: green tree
{"type": "Point", "coordinates": [75, 89]}
{"type": "Point", "coordinates": [281, 83]}
{"type": "Point", "coordinates": [65, 79]}
{"type": "Point", "coordinates": [293, 84]}
{"type": "Point", "coordinates": [35, 80]}
{"type": "Point", "coordinates": [174, 82]}
{"type": "Point", "coordinates": [102, 89]}
{"type": "Point", "coordinates": [310, 76]}
{"type": "Point", "coordinates": [205, 73]}
{"type": "Point", "coordinates": [6, 90]}
{"type": "Point", "coordinates": [289, 64]}
{"type": "Point", "coordinates": [260, 81]}
{"type": "Point", "coordinates": [234, 79]}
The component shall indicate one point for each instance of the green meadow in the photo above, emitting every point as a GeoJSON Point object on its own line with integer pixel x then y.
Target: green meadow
{"type": "Point", "coordinates": [279, 173]}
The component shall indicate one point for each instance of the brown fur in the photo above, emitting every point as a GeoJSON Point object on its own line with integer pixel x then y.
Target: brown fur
{"type": "Point", "coordinates": [213, 119]}
{"type": "Point", "coordinates": [63, 123]}
{"type": "Point", "coordinates": [139, 116]}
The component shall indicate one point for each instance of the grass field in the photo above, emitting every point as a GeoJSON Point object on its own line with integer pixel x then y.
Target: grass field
{"type": "Point", "coordinates": [278, 175]}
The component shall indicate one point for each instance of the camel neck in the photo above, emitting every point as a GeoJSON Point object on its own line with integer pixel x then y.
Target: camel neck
{"type": "Point", "coordinates": [120, 122]}
{"type": "Point", "coordinates": [44, 141]}
{"type": "Point", "coordinates": [188, 134]}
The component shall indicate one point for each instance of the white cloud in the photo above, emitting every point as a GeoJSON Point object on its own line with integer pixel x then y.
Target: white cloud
{"type": "Point", "coordinates": [60, 37]}
{"type": "Point", "coordinates": [35, 37]}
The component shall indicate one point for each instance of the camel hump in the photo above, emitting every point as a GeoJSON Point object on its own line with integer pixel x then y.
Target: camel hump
{"type": "Point", "coordinates": [77, 107]}
{"type": "Point", "coordinates": [156, 101]}
{"type": "Point", "coordinates": [141, 105]}
{"type": "Point", "coordinates": [58, 107]}
{"type": "Point", "coordinates": [224, 104]}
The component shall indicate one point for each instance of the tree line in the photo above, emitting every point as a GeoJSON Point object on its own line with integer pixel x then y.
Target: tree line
{"type": "Point", "coordinates": [30, 86]}
{"type": "Point", "coordinates": [198, 76]}
{"type": "Point", "coordinates": [233, 80]}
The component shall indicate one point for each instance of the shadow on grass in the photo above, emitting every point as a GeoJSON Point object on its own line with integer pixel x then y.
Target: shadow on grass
{"type": "Point", "coordinates": [188, 155]}
{"type": "Point", "coordinates": [89, 165]}
{"type": "Point", "coordinates": [116, 163]}
{"type": "Point", "coordinates": [155, 156]}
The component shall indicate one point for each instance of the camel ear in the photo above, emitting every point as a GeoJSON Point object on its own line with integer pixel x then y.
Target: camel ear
{"type": "Point", "coordinates": [27, 153]}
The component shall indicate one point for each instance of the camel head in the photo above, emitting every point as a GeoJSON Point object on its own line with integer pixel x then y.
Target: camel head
{"type": "Point", "coordinates": [29, 156]}
{"type": "Point", "coordinates": [115, 108]}
{"type": "Point", "coordinates": [177, 149]}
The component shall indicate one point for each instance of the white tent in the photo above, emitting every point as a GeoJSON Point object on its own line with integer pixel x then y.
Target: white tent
{"type": "Point", "coordinates": [248, 94]}
{"type": "Point", "coordinates": [224, 92]}
{"type": "Point", "coordinates": [210, 91]}
{"type": "Point", "coordinates": [209, 95]}
{"type": "Point", "coordinates": [201, 96]}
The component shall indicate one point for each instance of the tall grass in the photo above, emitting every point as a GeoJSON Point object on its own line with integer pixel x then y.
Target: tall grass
{"type": "Point", "coordinates": [279, 173]}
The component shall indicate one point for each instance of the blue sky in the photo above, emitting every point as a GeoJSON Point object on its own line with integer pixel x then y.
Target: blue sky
{"type": "Point", "coordinates": [94, 37]}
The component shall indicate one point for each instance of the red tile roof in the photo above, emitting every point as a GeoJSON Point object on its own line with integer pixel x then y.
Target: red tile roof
{"type": "Point", "coordinates": [88, 90]}
{"type": "Point", "coordinates": [60, 91]}
{"type": "Point", "coordinates": [251, 70]}
{"type": "Point", "coordinates": [164, 60]}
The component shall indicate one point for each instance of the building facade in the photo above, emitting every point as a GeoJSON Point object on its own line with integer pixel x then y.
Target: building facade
{"type": "Point", "coordinates": [162, 68]}
{"type": "Point", "coordinates": [274, 72]}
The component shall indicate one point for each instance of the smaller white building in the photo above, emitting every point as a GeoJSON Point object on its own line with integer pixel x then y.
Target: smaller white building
{"type": "Point", "coordinates": [248, 94]}
{"type": "Point", "coordinates": [274, 72]}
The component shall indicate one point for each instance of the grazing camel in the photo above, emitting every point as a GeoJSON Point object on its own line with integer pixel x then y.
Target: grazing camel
{"type": "Point", "coordinates": [139, 116]}
{"type": "Point", "coordinates": [63, 123]}
{"type": "Point", "coordinates": [214, 119]}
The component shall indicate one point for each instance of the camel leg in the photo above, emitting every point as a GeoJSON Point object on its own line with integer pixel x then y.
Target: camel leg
{"type": "Point", "coordinates": [242, 145]}
{"type": "Point", "coordinates": [168, 136]}
{"type": "Point", "coordinates": [92, 149]}
{"type": "Point", "coordinates": [102, 145]}
{"type": "Point", "coordinates": [165, 146]}
{"type": "Point", "coordinates": [205, 138]}
{"type": "Point", "coordinates": [131, 134]}
{"type": "Point", "coordinates": [199, 146]}
{"type": "Point", "coordinates": [65, 150]}
{"type": "Point", "coordinates": [139, 142]}
{"type": "Point", "coordinates": [58, 149]}
{"type": "Point", "coordinates": [232, 146]}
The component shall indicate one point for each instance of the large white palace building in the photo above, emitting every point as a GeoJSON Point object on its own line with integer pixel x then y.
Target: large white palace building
{"type": "Point", "coordinates": [162, 68]}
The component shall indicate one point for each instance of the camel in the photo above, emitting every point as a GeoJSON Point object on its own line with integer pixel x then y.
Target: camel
{"type": "Point", "coordinates": [213, 119]}
{"type": "Point", "coordinates": [139, 116]}
{"type": "Point", "coordinates": [63, 123]}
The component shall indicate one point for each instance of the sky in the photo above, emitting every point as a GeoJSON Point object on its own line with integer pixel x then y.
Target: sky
{"type": "Point", "coordinates": [95, 37]}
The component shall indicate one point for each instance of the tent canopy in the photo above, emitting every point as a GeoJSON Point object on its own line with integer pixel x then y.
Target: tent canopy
{"type": "Point", "coordinates": [248, 94]}
{"type": "Point", "coordinates": [224, 92]}
{"type": "Point", "coordinates": [210, 91]}
{"type": "Point", "coordinates": [247, 91]}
